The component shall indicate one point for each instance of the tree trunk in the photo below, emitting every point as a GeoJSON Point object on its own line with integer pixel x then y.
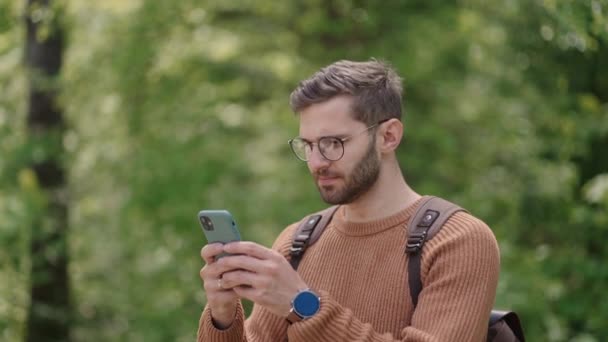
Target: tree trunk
{"type": "Point", "coordinates": [49, 312]}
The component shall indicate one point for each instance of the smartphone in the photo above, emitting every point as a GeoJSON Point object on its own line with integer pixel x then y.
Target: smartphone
{"type": "Point", "coordinates": [219, 226]}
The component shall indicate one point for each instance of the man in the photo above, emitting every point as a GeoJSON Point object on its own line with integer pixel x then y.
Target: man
{"type": "Point", "coordinates": [352, 283]}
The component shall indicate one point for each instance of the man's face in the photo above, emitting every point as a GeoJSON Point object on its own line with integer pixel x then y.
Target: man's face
{"type": "Point", "coordinates": [345, 180]}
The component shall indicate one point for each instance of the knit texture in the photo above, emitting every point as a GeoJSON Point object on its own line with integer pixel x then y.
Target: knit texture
{"type": "Point", "coordinates": [360, 272]}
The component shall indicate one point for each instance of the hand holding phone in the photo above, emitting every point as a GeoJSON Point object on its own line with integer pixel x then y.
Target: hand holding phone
{"type": "Point", "coordinates": [219, 226]}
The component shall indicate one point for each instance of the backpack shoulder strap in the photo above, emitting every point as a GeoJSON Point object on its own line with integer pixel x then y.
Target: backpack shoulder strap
{"type": "Point", "coordinates": [308, 232]}
{"type": "Point", "coordinates": [430, 216]}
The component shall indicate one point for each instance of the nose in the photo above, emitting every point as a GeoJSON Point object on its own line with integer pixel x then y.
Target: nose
{"type": "Point", "coordinates": [316, 161]}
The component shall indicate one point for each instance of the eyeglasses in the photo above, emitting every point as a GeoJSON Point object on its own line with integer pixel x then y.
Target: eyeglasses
{"type": "Point", "coordinates": [331, 148]}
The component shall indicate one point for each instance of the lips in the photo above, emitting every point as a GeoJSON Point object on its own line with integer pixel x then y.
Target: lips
{"type": "Point", "coordinates": [326, 181]}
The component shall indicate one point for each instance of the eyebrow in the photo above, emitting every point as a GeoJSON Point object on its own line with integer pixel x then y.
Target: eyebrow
{"type": "Point", "coordinates": [337, 136]}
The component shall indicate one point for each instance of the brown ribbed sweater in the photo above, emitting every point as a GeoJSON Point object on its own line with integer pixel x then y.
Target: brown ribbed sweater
{"type": "Point", "coordinates": [360, 272]}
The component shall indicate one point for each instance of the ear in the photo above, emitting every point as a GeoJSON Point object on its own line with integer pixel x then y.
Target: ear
{"type": "Point", "coordinates": [390, 135]}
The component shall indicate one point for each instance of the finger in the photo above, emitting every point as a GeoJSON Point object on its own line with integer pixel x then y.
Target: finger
{"type": "Point", "coordinates": [218, 296]}
{"type": "Point", "coordinates": [249, 248]}
{"type": "Point", "coordinates": [246, 292]}
{"type": "Point", "coordinates": [238, 278]}
{"type": "Point", "coordinates": [211, 272]}
{"type": "Point", "coordinates": [221, 286]}
{"type": "Point", "coordinates": [210, 251]}
{"type": "Point", "coordinates": [239, 262]}
{"type": "Point", "coordinates": [214, 285]}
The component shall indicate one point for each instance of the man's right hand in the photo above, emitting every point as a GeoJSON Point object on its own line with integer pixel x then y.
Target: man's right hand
{"type": "Point", "coordinates": [222, 302]}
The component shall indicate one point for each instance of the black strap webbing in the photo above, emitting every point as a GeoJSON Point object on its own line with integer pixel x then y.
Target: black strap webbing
{"type": "Point", "coordinates": [430, 216]}
{"type": "Point", "coordinates": [307, 233]}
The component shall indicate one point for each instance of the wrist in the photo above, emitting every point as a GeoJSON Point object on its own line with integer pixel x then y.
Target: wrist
{"type": "Point", "coordinates": [222, 319]}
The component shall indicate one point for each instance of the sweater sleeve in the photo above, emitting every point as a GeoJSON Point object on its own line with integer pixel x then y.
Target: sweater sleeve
{"type": "Point", "coordinates": [208, 332]}
{"type": "Point", "coordinates": [459, 274]}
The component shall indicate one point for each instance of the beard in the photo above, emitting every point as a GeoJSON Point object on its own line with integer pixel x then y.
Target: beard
{"type": "Point", "coordinates": [363, 177]}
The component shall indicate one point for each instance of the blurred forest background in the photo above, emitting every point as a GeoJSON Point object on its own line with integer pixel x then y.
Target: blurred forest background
{"type": "Point", "coordinates": [120, 119]}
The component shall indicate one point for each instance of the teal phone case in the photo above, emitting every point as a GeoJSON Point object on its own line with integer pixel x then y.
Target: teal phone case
{"type": "Point", "coordinates": [218, 226]}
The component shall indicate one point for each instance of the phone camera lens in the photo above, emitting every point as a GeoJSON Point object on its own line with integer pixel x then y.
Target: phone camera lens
{"type": "Point", "coordinates": [207, 224]}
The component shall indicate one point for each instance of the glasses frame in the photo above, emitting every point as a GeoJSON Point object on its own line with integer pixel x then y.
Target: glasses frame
{"type": "Point", "coordinates": [341, 140]}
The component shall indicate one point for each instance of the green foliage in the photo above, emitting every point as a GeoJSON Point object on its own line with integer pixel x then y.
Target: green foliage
{"type": "Point", "coordinates": [178, 106]}
{"type": "Point", "coordinates": [19, 196]}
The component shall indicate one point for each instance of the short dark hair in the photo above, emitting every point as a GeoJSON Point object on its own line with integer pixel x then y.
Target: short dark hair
{"type": "Point", "coordinates": [374, 85]}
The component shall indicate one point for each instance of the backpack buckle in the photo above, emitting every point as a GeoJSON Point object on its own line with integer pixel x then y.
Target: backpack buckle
{"type": "Point", "coordinates": [415, 242]}
{"type": "Point", "coordinates": [298, 245]}
{"type": "Point", "coordinates": [296, 251]}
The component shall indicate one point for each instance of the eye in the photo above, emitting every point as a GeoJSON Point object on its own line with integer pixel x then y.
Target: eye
{"type": "Point", "coordinates": [330, 143]}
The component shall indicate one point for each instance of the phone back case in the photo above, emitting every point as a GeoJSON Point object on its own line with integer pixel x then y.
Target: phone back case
{"type": "Point", "coordinates": [218, 226]}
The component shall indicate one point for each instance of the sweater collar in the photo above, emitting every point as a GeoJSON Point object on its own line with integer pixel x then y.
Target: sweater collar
{"type": "Point", "coordinates": [372, 227]}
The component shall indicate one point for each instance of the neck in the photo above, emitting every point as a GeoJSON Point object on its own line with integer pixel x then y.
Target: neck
{"type": "Point", "coordinates": [389, 195]}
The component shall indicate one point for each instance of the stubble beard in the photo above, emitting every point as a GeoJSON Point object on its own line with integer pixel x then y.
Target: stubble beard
{"type": "Point", "coordinates": [363, 177]}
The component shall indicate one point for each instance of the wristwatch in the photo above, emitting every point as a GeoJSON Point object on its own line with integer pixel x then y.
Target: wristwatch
{"type": "Point", "coordinates": [303, 306]}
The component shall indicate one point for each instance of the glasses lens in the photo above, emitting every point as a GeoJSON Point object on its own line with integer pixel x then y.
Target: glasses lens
{"type": "Point", "coordinates": [299, 148]}
{"type": "Point", "coordinates": [331, 148]}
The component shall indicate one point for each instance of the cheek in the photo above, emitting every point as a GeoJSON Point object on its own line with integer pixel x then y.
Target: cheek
{"type": "Point", "coordinates": [351, 158]}
{"type": "Point", "coordinates": [310, 169]}
{"type": "Point", "coordinates": [344, 167]}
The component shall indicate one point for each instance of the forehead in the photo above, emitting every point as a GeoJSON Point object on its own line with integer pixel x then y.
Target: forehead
{"type": "Point", "coordinates": [331, 117]}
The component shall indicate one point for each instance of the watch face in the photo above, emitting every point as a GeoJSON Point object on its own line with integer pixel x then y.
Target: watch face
{"type": "Point", "coordinates": [306, 304]}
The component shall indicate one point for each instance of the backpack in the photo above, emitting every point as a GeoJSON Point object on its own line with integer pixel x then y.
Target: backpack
{"type": "Point", "coordinates": [432, 213]}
